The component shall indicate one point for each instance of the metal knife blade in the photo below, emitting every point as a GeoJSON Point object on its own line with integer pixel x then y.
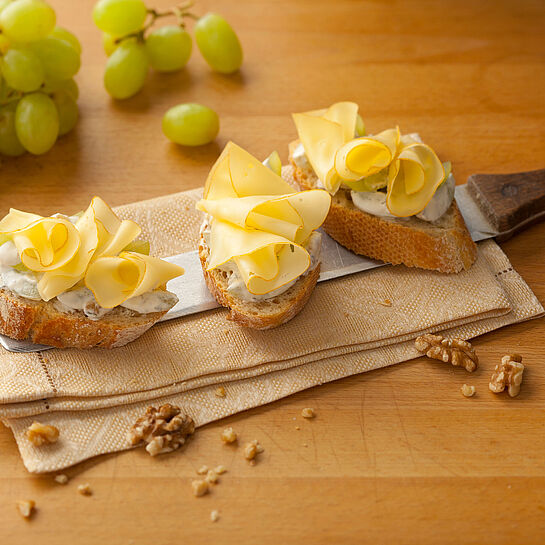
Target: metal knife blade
{"type": "Point", "coordinates": [337, 261]}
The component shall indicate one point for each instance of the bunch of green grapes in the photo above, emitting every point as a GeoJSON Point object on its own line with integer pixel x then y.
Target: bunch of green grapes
{"type": "Point", "coordinates": [38, 61]}
{"type": "Point", "coordinates": [133, 46]}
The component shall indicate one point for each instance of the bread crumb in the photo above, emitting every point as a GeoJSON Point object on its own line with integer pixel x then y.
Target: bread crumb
{"type": "Point", "coordinates": [220, 470]}
{"type": "Point", "coordinates": [199, 487]}
{"type": "Point", "coordinates": [220, 392]}
{"type": "Point", "coordinates": [252, 449]}
{"type": "Point", "coordinates": [211, 477]}
{"type": "Point", "coordinates": [386, 303]}
{"type": "Point", "coordinates": [305, 445]}
{"type": "Point", "coordinates": [228, 435]}
{"type": "Point", "coordinates": [214, 515]}
{"type": "Point", "coordinates": [297, 427]}
{"type": "Point", "coordinates": [85, 489]}
{"type": "Point", "coordinates": [26, 507]}
{"type": "Point", "coordinates": [61, 478]}
{"type": "Point", "coordinates": [467, 390]}
{"type": "Point", "coordinates": [203, 470]}
{"type": "Point", "coordinates": [308, 413]}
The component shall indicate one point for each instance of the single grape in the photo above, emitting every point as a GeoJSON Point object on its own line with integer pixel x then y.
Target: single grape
{"type": "Point", "coordinates": [9, 143]}
{"type": "Point", "coordinates": [67, 36]}
{"type": "Point", "coordinates": [126, 70]}
{"type": "Point", "coordinates": [59, 58]}
{"type": "Point", "coordinates": [119, 17]}
{"type": "Point", "coordinates": [218, 43]}
{"type": "Point", "coordinates": [22, 70]}
{"type": "Point", "coordinates": [191, 124]}
{"type": "Point", "coordinates": [67, 109]}
{"type": "Point", "coordinates": [169, 48]}
{"type": "Point", "coordinates": [37, 123]}
{"type": "Point", "coordinates": [27, 20]}
{"type": "Point", "coordinates": [68, 85]}
{"type": "Point", "coordinates": [5, 44]}
{"type": "Point", "coordinates": [108, 43]}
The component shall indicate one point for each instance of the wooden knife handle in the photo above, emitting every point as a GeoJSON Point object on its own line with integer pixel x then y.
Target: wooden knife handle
{"type": "Point", "coordinates": [511, 202]}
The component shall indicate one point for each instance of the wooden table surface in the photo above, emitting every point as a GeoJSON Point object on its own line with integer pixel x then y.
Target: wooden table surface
{"type": "Point", "coordinates": [396, 455]}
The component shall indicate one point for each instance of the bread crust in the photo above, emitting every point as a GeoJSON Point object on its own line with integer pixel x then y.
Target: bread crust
{"type": "Point", "coordinates": [446, 246]}
{"type": "Point", "coordinates": [42, 323]}
{"type": "Point", "coordinates": [253, 315]}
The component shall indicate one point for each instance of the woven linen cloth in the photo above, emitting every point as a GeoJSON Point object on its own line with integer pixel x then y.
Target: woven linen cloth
{"type": "Point", "coordinates": [94, 396]}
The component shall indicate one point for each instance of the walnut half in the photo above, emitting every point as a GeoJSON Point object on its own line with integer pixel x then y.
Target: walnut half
{"type": "Point", "coordinates": [163, 429]}
{"type": "Point", "coordinates": [454, 351]}
{"type": "Point", "coordinates": [39, 434]}
{"type": "Point", "coordinates": [507, 374]}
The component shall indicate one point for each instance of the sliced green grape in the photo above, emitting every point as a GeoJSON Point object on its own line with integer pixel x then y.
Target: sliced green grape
{"type": "Point", "coordinates": [68, 85]}
{"type": "Point", "coordinates": [67, 109]}
{"type": "Point", "coordinates": [27, 20]}
{"type": "Point", "coordinates": [37, 123]}
{"type": "Point", "coordinates": [22, 70]}
{"type": "Point", "coordinates": [59, 58]}
{"type": "Point", "coordinates": [218, 43]}
{"type": "Point", "coordinates": [360, 126]}
{"type": "Point", "coordinates": [67, 36]}
{"type": "Point", "coordinates": [274, 163]}
{"type": "Point", "coordinates": [169, 48]}
{"type": "Point", "coordinates": [9, 142]}
{"type": "Point", "coordinates": [119, 17]}
{"type": "Point", "coordinates": [126, 70]}
{"type": "Point", "coordinates": [138, 246]}
{"type": "Point", "coordinates": [191, 124]}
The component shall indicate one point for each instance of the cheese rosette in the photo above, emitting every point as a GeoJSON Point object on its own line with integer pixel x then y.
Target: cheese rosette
{"type": "Point", "coordinates": [258, 221]}
{"type": "Point", "coordinates": [60, 252]}
{"type": "Point", "coordinates": [114, 279]}
{"type": "Point", "coordinates": [322, 133]}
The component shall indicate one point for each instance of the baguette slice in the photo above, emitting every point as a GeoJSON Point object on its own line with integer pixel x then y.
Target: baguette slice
{"type": "Point", "coordinates": [260, 314]}
{"type": "Point", "coordinates": [43, 323]}
{"type": "Point", "coordinates": [444, 245]}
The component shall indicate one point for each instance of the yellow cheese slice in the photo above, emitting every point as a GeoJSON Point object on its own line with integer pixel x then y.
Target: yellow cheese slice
{"type": "Point", "coordinates": [413, 178]}
{"type": "Point", "coordinates": [114, 279]}
{"type": "Point", "coordinates": [322, 133]}
{"type": "Point", "coordinates": [258, 222]}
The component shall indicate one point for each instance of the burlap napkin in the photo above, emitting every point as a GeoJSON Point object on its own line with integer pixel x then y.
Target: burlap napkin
{"type": "Point", "coordinates": [93, 397]}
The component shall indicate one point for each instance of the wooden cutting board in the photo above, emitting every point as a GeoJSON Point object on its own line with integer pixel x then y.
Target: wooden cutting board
{"type": "Point", "coordinates": [393, 456]}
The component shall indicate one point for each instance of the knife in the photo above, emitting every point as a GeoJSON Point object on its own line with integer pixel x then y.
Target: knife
{"type": "Point", "coordinates": [493, 206]}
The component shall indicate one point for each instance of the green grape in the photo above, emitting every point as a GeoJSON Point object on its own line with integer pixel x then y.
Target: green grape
{"type": "Point", "coordinates": [191, 124]}
{"type": "Point", "coordinates": [22, 70]}
{"type": "Point", "coordinates": [37, 123]}
{"type": "Point", "coordinates": [218, 43]}
{"type": "Point", "coordinates": [126, 70]}
{"type": "Point", "coordinates": [27, 20]}
{"type": "Point", "coordinates": [119, 17]}
{"type": "Point", "coordinates": [9, 143]}
{"type": "Point", "coordinates": [67, 36]}
{"type": "Point", "coordinates": [169, 48]}
{"type": "Point", "coordinates": [67, 109]}
{"type": "Point", "coordinates": [108, 43]}
{"type": "Point", "coordinates": [59, 58]}
{"type": "Point", "coordinates": [360, 126]}
{"type": "Point", "coordinates": [5, 44]}
{"type": "Point", "coordinates": [68, 85]}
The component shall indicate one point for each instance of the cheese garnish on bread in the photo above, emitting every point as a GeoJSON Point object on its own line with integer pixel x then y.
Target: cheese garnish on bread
{"type": "Point", "coordinates": [258, 221]}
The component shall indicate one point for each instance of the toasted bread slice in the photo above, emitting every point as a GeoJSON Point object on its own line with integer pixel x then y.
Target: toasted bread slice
{"type": "Point", "coordinates": [444, 245]}
{"type": "Point", "coordinates": [43, 323]}
{"type": "Point", "coordinates": [264, 314]}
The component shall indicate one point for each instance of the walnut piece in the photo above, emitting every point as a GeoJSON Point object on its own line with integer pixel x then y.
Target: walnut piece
{"type": "Point", "coordinates": [203, 470]}
{"type": "Point", "coordinates": [211, 477]}
{"type": "Point", "coordinates": [251, 450]}
{"type": "Point", "coordinates": [200, 487]}
{"type": "Point", "coordinates": [228, 435]}
{"type": "Point", "coordinates": [214, 515]}
{"type": "Point", "coordinates": [220, 392]}
{"type": "Point", "coordinates": [85, 489]}
{"type": "Point", "coordinates": [467, 390]}
{"type": "Point", "coordinates": [454, 351]}
{"type": "Point", "coordinates": [307, 412]}
{"type": "Point", "coordinates": [61, 478]}
{"type": "Point", "coordinates": [26, 507]}
{"type": "Point", "coordinates": [220, 470]}
{"type": "Point", "coordinates": [39, 434]}
{"type": "Point", "coordinates": [163, 429]}
{"type": "Point", "coordinates": [507, 374]}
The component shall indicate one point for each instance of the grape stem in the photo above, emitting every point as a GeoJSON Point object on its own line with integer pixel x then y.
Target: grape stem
{"type": "Point", "coordinates": [180, 11]}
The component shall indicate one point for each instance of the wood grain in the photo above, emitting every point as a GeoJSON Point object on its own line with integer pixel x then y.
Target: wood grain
{"type": "Point", "coordinates": [395, 456]}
